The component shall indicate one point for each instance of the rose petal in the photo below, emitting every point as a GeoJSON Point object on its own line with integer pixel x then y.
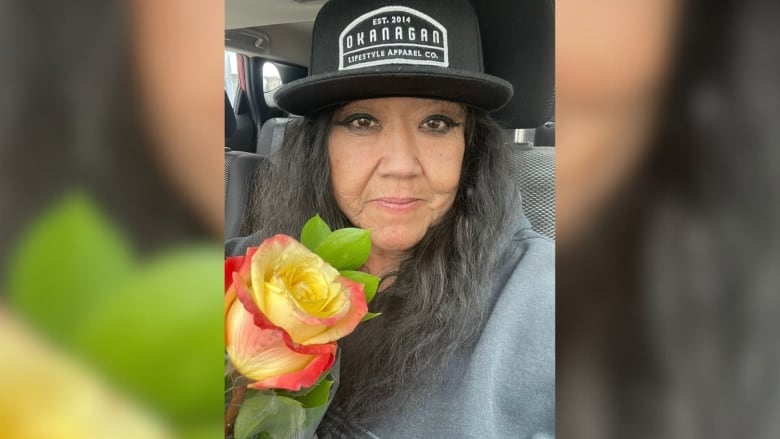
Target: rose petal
{"type": "Point", "coordinates": [334, 316]}
{"type": "Point", "coordinates": [262, 354]}
{"type": "Point", "coordinates": [260, 320]}
{"type": "Point", "coordinates": [246, 267]}
{"type": "Point", "coordinates": [232, 264]}
{"type": "Point", "coordinates": [294, 381]}
{"type": "Point", "coordinates": [343, 302]}
{"type": "Point", "coordinates": [230, 297]}
{"type": "Point", "coordinates": [239, 264]}
{"type": "Point", "coordinates": [358, 308]}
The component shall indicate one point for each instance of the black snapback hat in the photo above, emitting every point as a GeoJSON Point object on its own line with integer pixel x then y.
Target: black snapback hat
{"type": "Point", "coordinates": [382, 48]}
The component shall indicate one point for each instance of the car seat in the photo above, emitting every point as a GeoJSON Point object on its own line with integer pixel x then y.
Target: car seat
{"type": "Point", "coordinates": [534, 168]}
{"type": "Point", "coordinates": [271, 135]}
{"type": "Point", "coordinates": [240, 169]}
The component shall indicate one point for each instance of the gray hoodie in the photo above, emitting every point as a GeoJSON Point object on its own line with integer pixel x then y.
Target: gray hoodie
{"type": "Point", "coordinates": [508, 389]}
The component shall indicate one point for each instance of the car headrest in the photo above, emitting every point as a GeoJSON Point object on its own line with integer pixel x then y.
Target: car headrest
{"type": "Point", "coordinates": [240, 168]}
{"type": "Point", "coordinates": [271, 135]}
{"type": "Point", "coordinates": [230, 118]}
{"type": "Point", "coordinates": [518, 44]}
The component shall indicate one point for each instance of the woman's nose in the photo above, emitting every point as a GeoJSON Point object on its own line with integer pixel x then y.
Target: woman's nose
{"type": "Point", "coordinates": [399, 152]}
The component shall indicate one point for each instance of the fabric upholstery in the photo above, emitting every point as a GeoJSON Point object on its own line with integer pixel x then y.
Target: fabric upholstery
{"type": "Point", "coordinates": [271, 135]}
{"type": "Point", "coordinates": [240, 169]}
{"type": "Point", "coordinates": [534, 168]}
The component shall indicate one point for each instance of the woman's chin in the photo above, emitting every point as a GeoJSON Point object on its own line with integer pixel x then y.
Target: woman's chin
{"type": "Point", "coordinates": [395, 241]}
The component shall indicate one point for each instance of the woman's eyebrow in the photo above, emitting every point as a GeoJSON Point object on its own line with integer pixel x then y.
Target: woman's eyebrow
{"type": "Point", "coordinates": [355, 109]}
{"type": "Point", "coordinates": [451, 107]}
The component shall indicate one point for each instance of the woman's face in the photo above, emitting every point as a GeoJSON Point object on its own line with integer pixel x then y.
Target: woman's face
{"type": "Point", "coordinates": [395, 165]}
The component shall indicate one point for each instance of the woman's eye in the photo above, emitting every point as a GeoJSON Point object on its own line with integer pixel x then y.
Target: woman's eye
{"type": "Point", "coordinates": [359, 123]}
{"type": "Point", "coordinates": [362, 122]}
{"type": "Point", "coordinates": [438, 124]}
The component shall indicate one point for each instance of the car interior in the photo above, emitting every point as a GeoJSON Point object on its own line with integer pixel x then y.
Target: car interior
{"type": "Point", "coordinates": [267, 44]}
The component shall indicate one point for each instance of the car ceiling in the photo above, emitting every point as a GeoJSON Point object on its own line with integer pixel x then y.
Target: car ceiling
{"type": "Point", "coordinates": [251, 13]}
{"type": "Point", "coordinates": [273, 29]}
{"type": "Point", "coordinates": [281, 30]}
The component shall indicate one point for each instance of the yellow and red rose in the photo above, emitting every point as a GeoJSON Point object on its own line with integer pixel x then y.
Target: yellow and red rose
{"type": "Point", "coordinates": [284, 309]}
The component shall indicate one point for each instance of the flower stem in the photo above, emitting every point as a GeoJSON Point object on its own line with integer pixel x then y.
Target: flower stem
{"type": "Point", "coordinates": [239, 391]}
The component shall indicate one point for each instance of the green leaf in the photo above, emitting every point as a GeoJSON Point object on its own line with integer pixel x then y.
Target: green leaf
{"type": "Point", "coordinates": [68, 260]}
{"type": "Point", "coordinates": [180, 335]}
{"type": "Point", "coordinates": [317, 408]}
{"type": "Point", "coordinates": [317, 396]}
{"type": "Point", "coordinates": [370, 315]}
{"type": "Point", "coordinates": [275, 416]}
{"type": "Point", "coordinates": [369, 281]}
{"type": "Point", "coordinates": [297, 395]}
{"type": "Point", "coordinates": [314, 231]}
{"type": "Point", "coordinates": [74, 276]}
{"type": "Point", "coordinates": [346, 249]}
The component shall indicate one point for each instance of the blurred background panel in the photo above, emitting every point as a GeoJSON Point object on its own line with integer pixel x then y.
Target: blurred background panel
{"type": "Point", "coordinates": [668, 182]}
{"type": "Point", "coordinates": [111, 182]}
{"type": "Point", "coordinates": [667, 203]}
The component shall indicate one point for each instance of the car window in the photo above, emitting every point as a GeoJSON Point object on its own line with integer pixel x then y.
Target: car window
{"type": "Point", "coordinates": [231, 76]}
{"type": "Point", "coordinates": [271, 77]}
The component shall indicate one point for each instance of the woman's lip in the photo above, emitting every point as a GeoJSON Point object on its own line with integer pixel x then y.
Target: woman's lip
{"type": "Point", "coordinates": [398, 204]}
{"type": "Point", "coordinates": [396, 200]}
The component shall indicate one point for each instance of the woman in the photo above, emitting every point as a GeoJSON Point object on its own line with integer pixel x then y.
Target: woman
{"type": "Point", "coordinates": [396, 138]}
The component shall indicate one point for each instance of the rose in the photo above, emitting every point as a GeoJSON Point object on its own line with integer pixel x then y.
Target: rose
{"type": "Point", "coordinates": [284, 309]}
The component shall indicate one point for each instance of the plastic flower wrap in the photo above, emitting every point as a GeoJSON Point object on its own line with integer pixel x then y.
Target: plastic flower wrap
{"type": "Point", "coordinates": [286, 305]}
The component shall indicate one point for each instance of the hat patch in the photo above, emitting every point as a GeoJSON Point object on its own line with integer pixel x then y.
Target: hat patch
{"type": "Point", "coordinates": [393, 35]}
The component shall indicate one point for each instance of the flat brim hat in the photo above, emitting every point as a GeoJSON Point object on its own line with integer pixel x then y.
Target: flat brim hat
{"type": "Point", "coordinates": [384, 48]}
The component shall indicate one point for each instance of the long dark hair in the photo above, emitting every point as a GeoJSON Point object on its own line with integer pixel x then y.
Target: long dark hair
{"type": "Point", "coordinates": [438, 300]}
{"type": "Point", "coordinates": [667, 298]}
